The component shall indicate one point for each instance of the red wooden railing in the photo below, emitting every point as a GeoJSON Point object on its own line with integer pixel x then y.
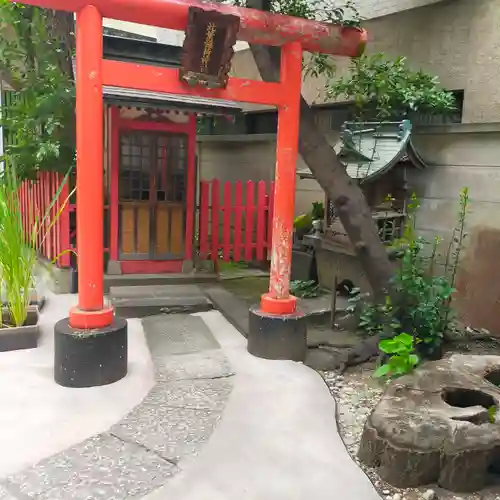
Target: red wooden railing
{"type": "Point", "coordinates": [238, 228]}
{"type": "Point", "coordinates": [35, 198]}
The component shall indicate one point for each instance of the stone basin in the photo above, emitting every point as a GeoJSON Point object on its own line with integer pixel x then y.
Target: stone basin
{"type": "Point", "coordinates": [439, 424]}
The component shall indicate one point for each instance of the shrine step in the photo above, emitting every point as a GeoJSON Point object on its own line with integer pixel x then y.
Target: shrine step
{"type": "Point", "coordinates": [142, 301]}
{"type": "Point", "coordinates": [112, 280]}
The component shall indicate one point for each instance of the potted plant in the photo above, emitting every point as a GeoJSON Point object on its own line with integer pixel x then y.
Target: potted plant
{"type": "Point", "coordinates": [18, 260]}
{"type": "Point", "coordinates": [302, 225]}
{"type": "Point", "coordinates": [318, 215]}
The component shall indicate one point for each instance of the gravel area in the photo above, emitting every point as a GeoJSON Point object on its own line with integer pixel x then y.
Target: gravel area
{"type": "Point", "coordinates": [357, 393]}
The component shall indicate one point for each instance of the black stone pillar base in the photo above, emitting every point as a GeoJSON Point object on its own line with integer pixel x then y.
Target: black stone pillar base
{"type": "Point", "coordinates": [90, 358]}
{"type": "Point", "coordinates": [277, 337]}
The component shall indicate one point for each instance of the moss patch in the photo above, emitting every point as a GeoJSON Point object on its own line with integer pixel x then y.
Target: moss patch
{"type": "Point", "coordinates": [247, 289]}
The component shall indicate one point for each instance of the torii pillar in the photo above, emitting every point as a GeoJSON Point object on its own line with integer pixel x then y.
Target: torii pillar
{"type": "Point", "coordinates": [91, 345]}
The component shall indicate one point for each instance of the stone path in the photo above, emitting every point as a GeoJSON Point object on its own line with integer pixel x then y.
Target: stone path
{"type": "Point", "coordinates": [219, 424]}
{"type": "Point", "coordinates": [147, 447]}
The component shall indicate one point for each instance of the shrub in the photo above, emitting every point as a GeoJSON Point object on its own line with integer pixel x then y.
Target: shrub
{"type": "Point", "coordinates": [424, 298]}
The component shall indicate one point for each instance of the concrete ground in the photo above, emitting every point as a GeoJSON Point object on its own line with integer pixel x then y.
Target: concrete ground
{"type": "Point", "coordinates": [39, 418]}
{"type": "Point", "coordinates": [218, 423]}
{"type": "Point", "coordinates": [277, 439]}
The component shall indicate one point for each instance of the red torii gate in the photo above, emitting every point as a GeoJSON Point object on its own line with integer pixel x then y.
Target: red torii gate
{"type": "Point", "coordinates": [104, 359]}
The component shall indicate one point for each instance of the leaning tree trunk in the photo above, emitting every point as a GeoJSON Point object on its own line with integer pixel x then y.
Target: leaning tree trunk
{"type": "Point", "coordinates": [347, 197]}
{"type": "Point", "coordinates": [352, 207]}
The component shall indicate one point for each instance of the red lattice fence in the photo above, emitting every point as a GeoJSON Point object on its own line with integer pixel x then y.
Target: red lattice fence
{"type": "Point", "coordinates": [35, 198]}
{"type": "Point", "coordinates": [235, 220]}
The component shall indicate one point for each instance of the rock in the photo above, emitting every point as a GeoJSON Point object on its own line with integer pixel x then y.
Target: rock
{"type": "Point", "coordinates": [429, 495]}
{"type": "Point", "coordinates": [396, 496]}
{"type": "Point", "coordinates": [433, 426]}
{"type": "Point", "coordinates": [386, 492]}
{"type": "Point", "coordinates": [320, 359]}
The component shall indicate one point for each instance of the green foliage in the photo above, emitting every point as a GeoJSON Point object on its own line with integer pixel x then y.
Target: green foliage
{"type": "Point", "coordinates": [18, 256]}
{"type": "Point", "coordinates": [372, 316]}
{"type": "Point", "coordinates": [492, 414]}
{"type": "Point", "coordinates": [304, 289]}
{"type": "Point", "coordinates": [383, 88]}
{"type": "Point", "coordinates": [402, 358]}
{"type": "Point", "coordinates": [318, 210]}
{"type": "Point", "coordinates": [303, 222]}
{"type": "Point", "coordinates": [330, 11]}
{"type": "Point", "coordinates": [38, 117]}
{"type": "Point", "coordinates": [424, 296]}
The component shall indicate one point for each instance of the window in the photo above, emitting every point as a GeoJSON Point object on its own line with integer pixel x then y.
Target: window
{"type": "Point", "coordinates": [107, 30]}
{"type": "Point", "coordinates": [442, 119]}
{"type": "Point", "coordinates": [344, 112]}
{"type": "Point", "coordinates": [262, 123]}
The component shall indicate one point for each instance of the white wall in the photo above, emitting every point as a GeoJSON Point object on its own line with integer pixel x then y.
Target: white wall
{"type": "Point", "coordinates": [162, 35]}
{"type": "Point", "coordinates": [378, 8]}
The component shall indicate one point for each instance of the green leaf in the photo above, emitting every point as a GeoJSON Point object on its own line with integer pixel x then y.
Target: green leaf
{"type": "Point", "coordinates": [405, 339]}
{"type": "Point", "coordinates": [382, 371]}
{"type": "Point", "coordinates": [413, 360]}
{"type": "Point", "coordinates": [387, 346]}
{"type": "Point", "coordinates": [398, 362]}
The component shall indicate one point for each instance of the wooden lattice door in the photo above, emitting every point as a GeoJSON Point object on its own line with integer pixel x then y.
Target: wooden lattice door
{"type": "Point", "coordinates": [152, 195]}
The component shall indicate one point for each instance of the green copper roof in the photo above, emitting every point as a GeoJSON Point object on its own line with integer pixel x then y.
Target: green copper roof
{"type": "Point", "coordinates": [369, 150]}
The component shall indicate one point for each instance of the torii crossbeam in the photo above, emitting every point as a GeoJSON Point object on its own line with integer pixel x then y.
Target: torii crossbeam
{"type": "Point", "coordinates": [277, 314]}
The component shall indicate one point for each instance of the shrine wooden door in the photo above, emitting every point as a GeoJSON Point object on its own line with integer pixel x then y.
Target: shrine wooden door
{"type": "Point", "coordinates": [152, 195]}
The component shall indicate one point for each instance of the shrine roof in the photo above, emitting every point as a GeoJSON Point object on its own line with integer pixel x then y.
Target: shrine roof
{"type": "Point", "coordinates": [139, 98]}
{"type": "Point", "coordinates": [369, 150]}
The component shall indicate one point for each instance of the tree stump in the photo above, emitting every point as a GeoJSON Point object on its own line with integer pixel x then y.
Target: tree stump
{"type": "Point", "coordinates": [439, 424]}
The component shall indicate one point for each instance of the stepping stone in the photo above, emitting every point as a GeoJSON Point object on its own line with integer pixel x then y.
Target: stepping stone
{"type": "Point", "coordinates": [168, 335]}
{"type": "Point", "coordinates": [101, 468]}
{"type": "Point", "coordinates": [142, 301]}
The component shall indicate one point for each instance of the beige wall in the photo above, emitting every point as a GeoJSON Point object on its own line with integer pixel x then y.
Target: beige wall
{"type": "Point", "coordinates": [239, 160]}
{"type": "Point", "coordinates": [461, 156]}
{"type": "Point", "coordinates": [377, 8]}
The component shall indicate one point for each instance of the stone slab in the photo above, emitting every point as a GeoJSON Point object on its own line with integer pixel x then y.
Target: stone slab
{"type": "Point", "coordinates": [322, 305]}
{"type": "Point", "coordinates": [151, 291]}
{"type": "Point", "coordinates": [142, 301]}
{"type": "Point", "coordinates": [177, 334]}
{"type": "Point", "coordinates": [157, 279]}
{"type": "Point", "coordinates": [166, 302]}
{"type": "Point", "coordinates": [172, 433]}
{"type": "Point", "coordinates": [176, 418]}
{"type": "Point", "coordinates": [101, 468]}
{"type": "Point", "coordinates": [199, 365]}
{"type": "Point", "coordinates": [232, 308]}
